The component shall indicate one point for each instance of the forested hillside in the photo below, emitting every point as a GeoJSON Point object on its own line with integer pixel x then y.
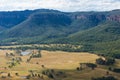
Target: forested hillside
{"type": "Point", "coordinates": [95, 31]}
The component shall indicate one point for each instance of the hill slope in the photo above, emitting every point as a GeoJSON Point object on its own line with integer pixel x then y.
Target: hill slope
{"type": "Point", "coordinates": [93, 30]}
{"type": "Point", "coordinates": [49, 25]}
{"type": "Point", "coordinates": [107, 31]}
{"type": "Point", "coordinates": [104, 38]}
{"type": "Point", "coordinates": [39, 24]}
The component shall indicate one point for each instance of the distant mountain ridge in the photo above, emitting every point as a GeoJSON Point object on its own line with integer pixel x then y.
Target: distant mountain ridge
{"type": "Point", "coordinates": [52, 26]}
{"type": "Point", "coordinates": [9, 19]}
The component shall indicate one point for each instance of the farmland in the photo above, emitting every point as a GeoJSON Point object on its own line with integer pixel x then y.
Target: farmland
{"type": "Point", "coordinates": [59, 61]}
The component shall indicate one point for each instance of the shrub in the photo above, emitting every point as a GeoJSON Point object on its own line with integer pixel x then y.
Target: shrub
{"type": "Point", "coordinates": [105, 78]}
{"type": "Point", "coordinates": [91, 65]}
{"type": "Point", "coordinates": [116, 70]}
{"type": "Point", "coordinates": [107, 61]}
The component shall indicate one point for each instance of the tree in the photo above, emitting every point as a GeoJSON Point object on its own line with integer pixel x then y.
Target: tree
{"type": "Point", "coordinates": [77, 68]}
{"type": "Point", "coordinates": [7, 54]}
{"type": "Point", "coordinates": [42, 66]}
{"type": "Point", "coordinates": [11, 54]}
{"type": "Point", "coordinates": [50, 75]}
{"type": "Point", "coordinates": [9, 75]}
{"type": "Point", "coordinates": [91, 65]}
{"type": "Point", "coordinates": [100, 61]}
{"type": "Point", "coordinates": [110, 61]}
{"type": "Point", "coordinates": [18, 52]}
{"type": "Point", "coordinates": [16, 74]}
{"type": "Point", "coordinates": [107, 61]}
{"type": "Point", "coordinates": [39, 75]}
{"type": "Point", "coordinates": [28, 77]}
{"type": "Point", "coordinates": [116, 70]}
{"type": "Point", "coordinates": [105, 78]}
{"type": "Point", "coordinates": [110, 68]}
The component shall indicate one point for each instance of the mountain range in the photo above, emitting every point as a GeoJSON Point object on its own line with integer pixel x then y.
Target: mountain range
{"type": "Point", "coordinates": [96, 31]}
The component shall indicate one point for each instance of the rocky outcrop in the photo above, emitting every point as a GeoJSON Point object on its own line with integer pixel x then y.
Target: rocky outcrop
{"type": "Point", "coordinates": [114, 18]}
{"type": "Point", "coordinates": [99, 17]}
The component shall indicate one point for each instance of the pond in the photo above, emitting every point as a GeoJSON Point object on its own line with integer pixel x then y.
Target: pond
{"type": "Point", "coordinates": [25, 53]}
{"type": "Point", "coordinates": [24, 77]}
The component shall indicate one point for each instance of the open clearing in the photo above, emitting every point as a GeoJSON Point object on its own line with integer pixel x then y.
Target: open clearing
{"type": "Point", "coordinates": [64, 60]}
{"type": "Point", "coordinates": [53, 59]}
{"type": "Point", "coordinates": [57, 60]}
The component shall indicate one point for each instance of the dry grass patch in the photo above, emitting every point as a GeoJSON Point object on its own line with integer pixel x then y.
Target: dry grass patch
{"type": "Point", "coordinates": [58, 60]}
{"type": "Point", "coordinates": [64, 60]}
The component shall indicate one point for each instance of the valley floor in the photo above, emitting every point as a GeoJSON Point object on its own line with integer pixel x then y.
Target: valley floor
{"type": "Point", "coordinates": [64, 63]}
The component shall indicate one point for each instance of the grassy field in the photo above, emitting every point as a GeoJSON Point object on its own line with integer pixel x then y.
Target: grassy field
{"type": "Point", "coordinates": [64, 60]}
{"type": "Point", "coordinates": [57, 60]}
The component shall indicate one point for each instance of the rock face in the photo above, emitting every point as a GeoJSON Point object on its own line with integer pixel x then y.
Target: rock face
{"type": "Point", "coordinates": [92, 17]}
{"type": "Point", "coordinates": [114, 18]}
{"type": "Point", "coordinates": [99, 16]}
{"type": "Point", "coordinates": [81, 17]}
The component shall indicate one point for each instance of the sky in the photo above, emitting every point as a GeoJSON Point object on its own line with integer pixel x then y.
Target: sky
{"type": "Point", "coordinates": [62, 5]}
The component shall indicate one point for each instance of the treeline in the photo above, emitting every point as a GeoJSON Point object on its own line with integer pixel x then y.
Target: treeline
{"type": "Point", "coordinates": [106, 61]}
{"type": "Point", "coordinates": [61, 47]}
{"type": "Point", "coordinates": [105, 78]}
{"type": "Point", "coordinates": [100, 49]}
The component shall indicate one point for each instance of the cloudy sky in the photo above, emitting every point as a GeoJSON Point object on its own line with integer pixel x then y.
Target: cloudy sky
{"type": "Point", "coordinates": [63, 5]}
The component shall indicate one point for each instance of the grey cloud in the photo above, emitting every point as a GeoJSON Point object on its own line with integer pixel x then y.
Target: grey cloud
{"type": "Point", "coordinates": [63, 5]}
